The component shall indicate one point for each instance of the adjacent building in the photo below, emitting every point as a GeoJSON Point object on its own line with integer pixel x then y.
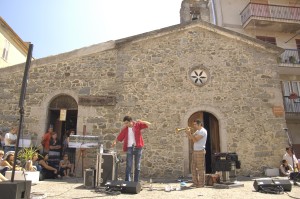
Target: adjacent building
{"type": "Point", "coordinates": [12, 48]}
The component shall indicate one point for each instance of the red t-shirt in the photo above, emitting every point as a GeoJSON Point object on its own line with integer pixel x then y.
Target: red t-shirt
{"type": "Point", "coordinates": [46, 140]}
{"type": "Point", "coordinates": [137, 127]}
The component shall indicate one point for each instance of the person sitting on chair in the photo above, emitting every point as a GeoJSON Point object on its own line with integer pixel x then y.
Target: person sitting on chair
{"type": "Point", "coordinates": [290, 157]}
{"type": "Point", "coordinates": [285, 168]}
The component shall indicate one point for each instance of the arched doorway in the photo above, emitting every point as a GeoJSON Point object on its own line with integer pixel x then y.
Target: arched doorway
{"type": "Point", "coordinates": [211, 124]}
{"type": "Point", "coordinates": [63, 102]}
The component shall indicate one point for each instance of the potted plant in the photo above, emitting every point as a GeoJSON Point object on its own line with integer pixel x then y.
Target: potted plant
{"type": "Point", "coordinates": [292, 59]}
{"type": "Point", "coordinates": [293, 96]}
{"type": "Point", "coordinates": [26, 154]}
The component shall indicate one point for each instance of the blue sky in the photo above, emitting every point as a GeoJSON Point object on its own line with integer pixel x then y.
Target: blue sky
{"type": "Point", "coordinates": [57, 26]}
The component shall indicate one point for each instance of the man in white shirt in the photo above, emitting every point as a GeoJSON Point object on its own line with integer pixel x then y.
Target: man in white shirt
{"type": "Point", "coordinates": [288, 157]}
{"type": "Point", "coordinates": [10, 140]}
{"type": "Point", "coordinates": [198, 157]}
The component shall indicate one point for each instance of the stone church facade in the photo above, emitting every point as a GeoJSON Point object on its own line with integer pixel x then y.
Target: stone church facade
{"type": "Point", "coordinates": [168, 77]}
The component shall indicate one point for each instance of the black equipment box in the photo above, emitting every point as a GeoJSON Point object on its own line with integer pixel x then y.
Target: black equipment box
{"type": "Point", "coordinates": [259, 184]}
{"type": "Point", "coordinates": [124, 186]}
{"type": "Point", "coordinates": [226, 161]}
{"type": "Point", "coordinates": [106, 168]}
{"type": "Point", "coordinates": [286, 184]}
{"type": "Point", "coordinates": [89, 178]}
{"type": "Point", "coordinates": [15, 190]}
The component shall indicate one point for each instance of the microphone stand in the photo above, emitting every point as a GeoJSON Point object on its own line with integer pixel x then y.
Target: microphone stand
{"type": "Point", "coordinates": [290, 144]}
{"type": "Point", "coordinates": [21, 106]}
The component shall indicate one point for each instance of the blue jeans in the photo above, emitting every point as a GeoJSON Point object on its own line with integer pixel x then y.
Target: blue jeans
{"type": "Point", "coordinates": [9, 148]}
{"type": "Point", "coordinates": [137, 154]}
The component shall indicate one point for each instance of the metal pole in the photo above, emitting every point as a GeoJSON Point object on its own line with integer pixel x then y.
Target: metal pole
{"type": "Point", "coordinates": [21, 106]}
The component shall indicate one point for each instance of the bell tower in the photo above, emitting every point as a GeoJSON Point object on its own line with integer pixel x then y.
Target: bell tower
{"type": "Point", "coordinates": [194, 10]}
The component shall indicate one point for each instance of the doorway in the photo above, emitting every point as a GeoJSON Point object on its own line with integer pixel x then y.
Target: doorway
{"type": "Point", "coordinates": [62, 126]}
{"type": "Point", "coordinates": [211, 124]}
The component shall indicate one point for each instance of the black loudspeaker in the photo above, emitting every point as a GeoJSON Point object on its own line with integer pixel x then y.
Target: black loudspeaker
{"type": "Point", "coordinates": [272, 183]}
{"type": "Point", "coordinates": [286, 184]}
{"type": "Point", "coordinates": [15, 190]}
{"type": "Point", "coordinates": [89, 178]}
{"type": "Point", "coordinates": [124, 186]}
{"type": "Point", "coordinates": [259, 183]}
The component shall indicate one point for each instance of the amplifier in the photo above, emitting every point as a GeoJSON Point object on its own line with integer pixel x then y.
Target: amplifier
{"type": "Point", "coordinates": [124, 186]}
{"type": "Point", "coordinates": [106, 168]}
{"type": "Point", "coordinates": [89, 178]}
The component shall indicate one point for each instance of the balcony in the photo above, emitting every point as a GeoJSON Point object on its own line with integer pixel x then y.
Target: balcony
{"type": "Point", "coordinates": [271, 17]}
{"type": "Point", "coordinates": [290, 57]}
{"type": "Point", "coordinates": [291, 107]}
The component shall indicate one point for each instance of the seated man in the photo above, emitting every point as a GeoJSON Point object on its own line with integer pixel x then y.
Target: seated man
{"type": "Point", "coordinates": [285, 168]}
{"type": "Point", "coordinates": [290, 157]}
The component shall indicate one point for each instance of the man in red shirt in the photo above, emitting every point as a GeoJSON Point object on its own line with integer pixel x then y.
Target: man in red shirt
{"type": "Point", "coordinates": [133, 143]}
{"type": "Point", "coordinates": [46, 139]}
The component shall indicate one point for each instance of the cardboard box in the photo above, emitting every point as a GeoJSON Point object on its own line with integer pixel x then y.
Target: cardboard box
{"type": "Point", "coordinates": [272, 172]}
{"type": "Point", "coordinates": [32, 176]}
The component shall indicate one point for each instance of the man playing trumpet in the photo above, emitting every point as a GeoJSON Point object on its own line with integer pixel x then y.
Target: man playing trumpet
{"type": "Point", "coordinates": [198, 156]}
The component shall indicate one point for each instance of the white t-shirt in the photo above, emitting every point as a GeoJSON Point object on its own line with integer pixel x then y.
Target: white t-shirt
{"type": "Point", "coordinates": [10, 136]}
{"type": "Point", "coordinates": [289, 160]}
{"type": "Point", "coordinates": [200, 144]}
{"type": "Point", "coordinates": [131, 137]}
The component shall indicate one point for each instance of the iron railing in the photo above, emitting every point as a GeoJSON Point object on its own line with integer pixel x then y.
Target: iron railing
{"type": "Point", "coordinates": [270, 11]}
{"type": "Point", "coordinates": [290, 56]}
{"type": "Point", "coordinates": [291, 106]}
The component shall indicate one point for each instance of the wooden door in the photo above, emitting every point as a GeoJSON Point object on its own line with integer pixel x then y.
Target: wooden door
{"type": "Point", "coordinates": [211, 124]}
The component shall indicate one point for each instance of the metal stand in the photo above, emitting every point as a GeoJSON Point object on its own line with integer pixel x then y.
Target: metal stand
{"type": "Point", "coordinates": [21, 106]}
{"type": "Point", "coordinates": [226, 165]}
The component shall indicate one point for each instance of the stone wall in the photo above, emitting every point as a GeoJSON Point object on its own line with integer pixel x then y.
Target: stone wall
{"type": "Point", "coordinates": [148, 75]}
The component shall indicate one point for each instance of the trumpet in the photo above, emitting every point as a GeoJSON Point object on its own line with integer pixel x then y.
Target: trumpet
{"type": "Point", "coordinates": [177, 130]}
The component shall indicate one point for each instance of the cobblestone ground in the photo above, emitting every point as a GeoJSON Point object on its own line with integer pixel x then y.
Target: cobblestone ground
{"type": "Point", "coordinates": [72, 188]}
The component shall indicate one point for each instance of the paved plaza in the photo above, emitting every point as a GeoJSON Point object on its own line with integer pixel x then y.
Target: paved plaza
{"type": "Point", "coordinates": [72, 188]}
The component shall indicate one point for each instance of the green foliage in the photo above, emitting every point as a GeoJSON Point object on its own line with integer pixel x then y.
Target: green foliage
{"type": "Point", "coordinates": [27, 153]}
{"type": "Point", "coordinates": [292, 59]}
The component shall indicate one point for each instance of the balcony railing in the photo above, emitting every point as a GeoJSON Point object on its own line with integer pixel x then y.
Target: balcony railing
{"type": "Point", "coordinates": [290, 56]}
{"type": "Point", "coordinates": [291, 106]}
{"type": "Point", "coordinates": [270, 11]}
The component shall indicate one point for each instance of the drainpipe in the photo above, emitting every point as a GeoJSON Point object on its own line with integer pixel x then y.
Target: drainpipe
{"type": "Point", "coordinates": [213, 12]}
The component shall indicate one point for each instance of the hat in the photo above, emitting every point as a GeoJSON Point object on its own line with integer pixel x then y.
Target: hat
{"type": "Point", "coordinates": [8, 153]}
